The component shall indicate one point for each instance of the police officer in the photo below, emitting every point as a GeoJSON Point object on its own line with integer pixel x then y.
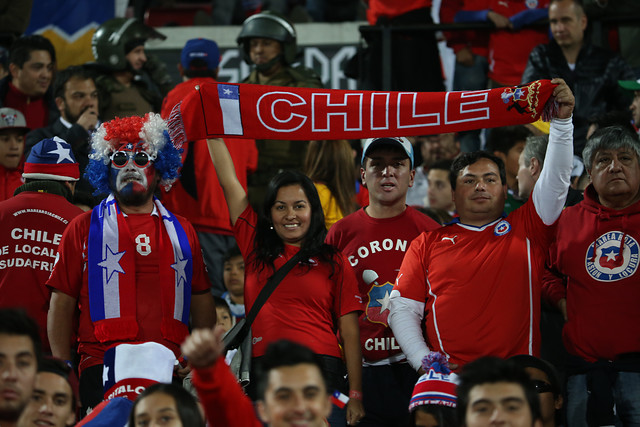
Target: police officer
{"type": "Point", "coordinates": [268, 43]}
{"type": "Point", "coordinates": [131, 82]}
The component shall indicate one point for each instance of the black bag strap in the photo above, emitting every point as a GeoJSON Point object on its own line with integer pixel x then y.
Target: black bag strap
{"type": "Point", "coordinates": [269, 287]}
{"type": "Point", "coordinates": [234, 340]}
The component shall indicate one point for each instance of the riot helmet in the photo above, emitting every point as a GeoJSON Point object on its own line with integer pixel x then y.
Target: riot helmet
{"type": "Point", "coordinates": [116, 37]}
{"type": "Point", "coordinates": [269, 25]}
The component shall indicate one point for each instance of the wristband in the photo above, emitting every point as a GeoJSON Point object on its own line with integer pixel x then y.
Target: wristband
{"type": "Point", "coordinates": [354, 394]}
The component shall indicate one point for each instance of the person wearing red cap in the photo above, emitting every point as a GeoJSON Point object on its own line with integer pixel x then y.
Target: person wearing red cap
{"type": "Point", "coordinates": [33, 222]}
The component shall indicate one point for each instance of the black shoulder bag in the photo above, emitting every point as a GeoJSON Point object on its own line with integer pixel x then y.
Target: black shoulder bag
{"type": "Point", "coordinates": [234, 337]}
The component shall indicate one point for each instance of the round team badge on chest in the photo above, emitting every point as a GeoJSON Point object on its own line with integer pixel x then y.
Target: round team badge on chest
{"type": "Point", "coordinates": [502, 228]}
{"type": "Point", "coordinates": [531, 4]}
{"type": "Point", "coordinates": [609, 264]}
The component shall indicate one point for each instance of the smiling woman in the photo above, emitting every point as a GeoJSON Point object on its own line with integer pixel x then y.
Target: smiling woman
{"type": "Point", "coordinates": [318, 297]}
{"type": "Point", "coordinates": [167, 405]}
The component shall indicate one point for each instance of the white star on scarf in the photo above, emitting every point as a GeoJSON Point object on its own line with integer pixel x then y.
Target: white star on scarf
{"type": "Point", "coordinates": [384, 302]}
{"type": "Point", "coordinates": [227, 91]}
{"type": "Point", "coordinates": [179, 267]}
{"type": "Point", "coordinates": [105, 374]}
{"type": "Point", "coordinates": [112, 262]}
{"type": "Point", "coordinates": [63, 153]}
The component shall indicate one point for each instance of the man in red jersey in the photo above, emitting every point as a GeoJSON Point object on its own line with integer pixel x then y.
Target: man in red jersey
{"type": "Point", "coordinates": [132, 268]}
{"type": "Point", "coordinates": [375, 239]}
{"type": "Point", "coordinates": [197, 194]}
{"type": "Point", "coordinates": [477, 280]}
{"type": "Point", "coordinates": [33, 222]}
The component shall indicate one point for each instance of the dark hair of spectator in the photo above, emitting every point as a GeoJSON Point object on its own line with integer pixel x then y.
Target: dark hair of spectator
{"type": "Point", "coordinates": [186, 405]}
{"type": "Point", "coordinates": [222, 303]}
{"type": "Point", "coordinates": [504, 138]}
{"type": "Point", "coordinates": [62, 77]}
{"type": "Point", "coordinates": [198, 68]}
{"type": "Point", "coordinates": [21, 49]}
{"type": "Point", "coordinates": [466, 159]}
{"type": "Point", "coordinates": [527, 361]}
{"type": "Point", "coordinates": [445, 416]}
{"type": "Point", "coordinates": [613, 118]}
{"type": "Point", "coordinates": [331, 163]}
{"type": "Point", "coordinates": [15, 321]}
{"type": "Point", "coordinates": [492, 370]}
{"type": "Point", "coordinates": [268, 245]}
{"type": "Point", "coordinates": [59, 367]}
{"type": "Point", "coordinates": [284, 353]}
{"type": "Point", "coordinates": [442, 164]}
{"type": "Point", "coordinates": [231, 253]}
{"type": "Point", "coordinates": [609, 138]}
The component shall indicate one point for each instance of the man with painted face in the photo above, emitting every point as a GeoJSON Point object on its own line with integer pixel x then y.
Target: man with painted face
{"type": "Point", "coordinates": [133, 269]}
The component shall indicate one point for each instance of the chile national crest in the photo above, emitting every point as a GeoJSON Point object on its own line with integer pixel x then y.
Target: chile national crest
{"type": "Point", "coordinates": [612, 261]}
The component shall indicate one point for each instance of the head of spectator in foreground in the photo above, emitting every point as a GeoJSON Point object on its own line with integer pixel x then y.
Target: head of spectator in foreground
{"type": "Point", "coordinates": [433, 402]}
{"type": "Point", "coordinates": [478, 180]}
{"type": "Point", "coordinates": [168, 405]}
{"type": "Point", "coordinates": [52, 159]}
{"type": "Point", "coordinates": [291, 386]}
{"type": "Point", "coordinates": [291, 197]}
{"type": "Point", "coordinates": [439, 192]}
{"type": "Point", "coordinates": [76, 96]}
{"type": "Point", "coordinates": [32, 64]}
{"type": "Point", "coordinates": [13, 128]}
{"type": "Point", "coordinates": [387, 170]}
{"type": "Point", "coordinates": [55, 399]}
{"type": "Point", "coordinates": [130, 157]}
{"type": "Point", "coordinates": [493, 391]}
{"type": "Point", "coordinates": [530, 164]}
{"type": "Point", "coordinates": [268, 41]}
{"type": "Point", "coordinates": [547, 384]}
{"type": "Point", "coordinates": [634, 86]}
{"type": "Point", "coordinates": [611, 158]}
{"type": "Point", "coordinates": [199, 58]}
{"type": "Point", "coordinates": [20, 355]}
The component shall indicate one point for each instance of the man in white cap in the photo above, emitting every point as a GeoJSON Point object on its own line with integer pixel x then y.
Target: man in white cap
{"type": "Point", "coordinates": [13, 127]}
{"type": "Point", "coordinates": [32, 225]}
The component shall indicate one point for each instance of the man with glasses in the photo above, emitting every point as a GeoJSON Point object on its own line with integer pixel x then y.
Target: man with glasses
{"type": "Point", "coordinates": [133, 269]}
{"type": "Point", "coordinates": [547, 384]}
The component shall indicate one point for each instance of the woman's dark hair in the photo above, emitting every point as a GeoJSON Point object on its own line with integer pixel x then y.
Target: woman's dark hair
{"type": "Point", "coordinates": [186, 405]}
{"type": "Point", "coordinates": [445, 416]}
{"type": "Point", "coordinates": [268, 245]}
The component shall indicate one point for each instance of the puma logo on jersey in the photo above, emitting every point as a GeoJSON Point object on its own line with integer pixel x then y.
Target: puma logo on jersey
{"type": "Point", "coordinates": [450, 238]}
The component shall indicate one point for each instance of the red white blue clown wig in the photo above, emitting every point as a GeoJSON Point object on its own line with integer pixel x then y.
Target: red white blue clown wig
{"type": "Point", "coordinates": [151, 131]}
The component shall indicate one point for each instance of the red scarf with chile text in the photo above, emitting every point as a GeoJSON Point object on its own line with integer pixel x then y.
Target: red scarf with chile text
{"type": "Point", "coordinates": [272, 112]}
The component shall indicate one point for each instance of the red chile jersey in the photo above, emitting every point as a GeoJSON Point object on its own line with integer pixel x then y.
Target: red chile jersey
{"type": "Point", "coordinates": [375, 248]}
{"type": "Point", "coordinates": [480, 285]}
{"type": "Point", "coordinates": [602, 278]}
{"type": "Point", "coordinates": [393, 8]}
{"type": "Point", "coordinates": [32, 227]}
{"type": "Point", "coordinates": [509, 49]}
{"type": "Point", "coordinates": [71, 277]}
{"type": "Point", "coordinates": [307, 303]}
